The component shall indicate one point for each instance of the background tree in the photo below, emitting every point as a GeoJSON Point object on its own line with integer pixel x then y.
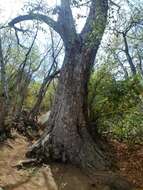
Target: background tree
{"type": "Point", "coordinates": [20, 64]}
{"type": "Point", "coordinates": [4, 92]}
{"type": "Point", "coordinates": [125, 47]}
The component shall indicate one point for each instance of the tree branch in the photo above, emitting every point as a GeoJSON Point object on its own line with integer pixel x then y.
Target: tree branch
{"type": "Point", "coordinates": [53, 24]}
{"type": "Point", "coordinates": [115, 4]}
{"type": "Point", "coordinates": [66, 12]}
{"type": "Point", "coordinates": [66, 21]}
{"type": "Point", "coordinates": [97, 15]}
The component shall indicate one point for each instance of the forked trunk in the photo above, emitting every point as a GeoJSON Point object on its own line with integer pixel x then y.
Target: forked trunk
{"type": "Point", "coordinates": [66, 137]}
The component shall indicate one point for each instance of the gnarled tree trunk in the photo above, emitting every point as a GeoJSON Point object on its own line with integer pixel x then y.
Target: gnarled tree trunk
{"type": "Point", "coordinates": [66, 137]}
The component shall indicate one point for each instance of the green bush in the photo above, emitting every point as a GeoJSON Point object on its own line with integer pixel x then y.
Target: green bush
{"type": "Point", "coordinates": [116, 106]}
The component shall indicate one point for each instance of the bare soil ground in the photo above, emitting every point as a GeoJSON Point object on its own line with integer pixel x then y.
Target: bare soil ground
{"type": "Point", "coordinates": [130, 161]}
{"type": "Point", "coordinates": [59, 176]}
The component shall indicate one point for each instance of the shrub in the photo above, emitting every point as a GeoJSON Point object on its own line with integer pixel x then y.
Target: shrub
{"type": "Point", "coordinates": [116, 106]}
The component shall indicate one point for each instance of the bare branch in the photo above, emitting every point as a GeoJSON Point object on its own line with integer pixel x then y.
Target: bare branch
{"type": "Point", "coordinates": [41, 61]}
{"type": "Point", "coordinates": [115, 4]}
{"type": "Point", "coordinates": [53, 24]}
{"type": "Point", "coordinates": [18, 41]}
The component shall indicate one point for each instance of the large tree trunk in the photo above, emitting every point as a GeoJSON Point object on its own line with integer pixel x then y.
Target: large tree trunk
{"type": "Point", "coordinates": [67, 137]}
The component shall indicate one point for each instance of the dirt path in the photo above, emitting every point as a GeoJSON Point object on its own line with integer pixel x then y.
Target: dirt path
{"type": "Point", "coordinates": [53, 177]}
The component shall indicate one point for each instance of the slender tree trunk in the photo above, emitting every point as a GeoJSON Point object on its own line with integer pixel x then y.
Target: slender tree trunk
{"type": "Point", "coordinates": [129, 58]}
{"type": "Point", "coordinates": [43, 89]}
{"type": "Point", "coordinates": [140, 64]}
{"type": "Point", "coordinates": [4, 93]}
{"type": "Point", "coordinates": [22, 90]}
{"type": "Point", "coordinates": [35, 110]}
{"type": "Point", "coordinates": [126, 75]}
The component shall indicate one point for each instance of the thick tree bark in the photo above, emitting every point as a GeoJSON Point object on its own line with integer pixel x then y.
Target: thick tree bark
{"type": "Point", "coordinates": [66, 137]}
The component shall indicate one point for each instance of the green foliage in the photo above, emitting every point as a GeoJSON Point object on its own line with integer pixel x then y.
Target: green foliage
{"type": "Point", "coordinates": [116, 105]}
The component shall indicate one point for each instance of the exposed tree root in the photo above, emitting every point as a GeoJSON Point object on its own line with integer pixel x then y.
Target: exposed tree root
{"type": "Point", "coordinates": [82, 151]}
{"type": "Point", "coordinates": [88, 156]}
{"type": "Point", "coordinates": [25, 163]}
